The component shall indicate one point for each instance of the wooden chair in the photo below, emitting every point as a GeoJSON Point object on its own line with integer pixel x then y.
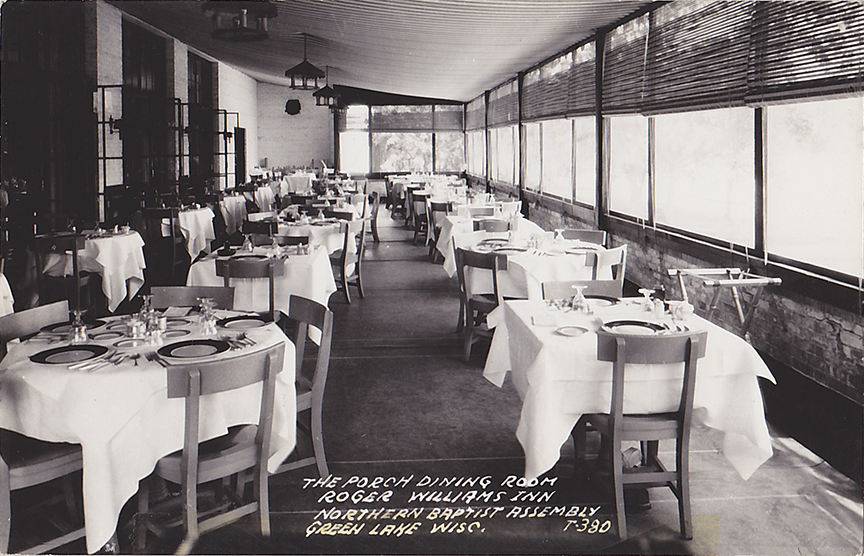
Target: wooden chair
{"type": "Point", "coordinates": [437, 211]}
{"type": "Point", "coordinates": [333, 212]}
{"type": "Point", "coordinates": [478, 305]}
{"type": "Point", "coordinates": [260, 227]}
{"type": "Point", "coordinates": [310, 385]}
{"type": "Point", "coordinates": [590, 236]}
{"type": "Point", "coordinates": [373, 216]}
{"type": "Point", "coordinates": [565, 289]}
{"type": "Point", "coordinates": [245, 448]}
{"type": "Point", "coordinates": [164, 251]}
{"type": "Point", "coordinates": [359, 201]}
{"type": "Point", "coordinates": [187, 296]}
{"type": "Point", "coordinates": [53, 249]}
{"type": "Point", "coordinates": [292, 240]}
{"type": "Point", "coordinates": [355, 231]}
{"type": "Point", "coordinates": [617, 426]}
{"type": "Point", "coordinates": [420, 219]}
{"type": "Point", "coordinates": [25, 461]}
{"type": "Point", "coordinates": [30, 321]}
{"type": "Point", "coordinates": [494, 225]}
{"type": "Point", "coordinates": [269, 268]}
{"type": "Point", "coordinates": [615, 259]}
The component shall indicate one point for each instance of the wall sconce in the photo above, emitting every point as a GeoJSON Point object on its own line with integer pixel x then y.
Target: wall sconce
{"type": "Point", "coordinates": [304, 76]}
{"type": "Point", "coordinates": [239, 21]}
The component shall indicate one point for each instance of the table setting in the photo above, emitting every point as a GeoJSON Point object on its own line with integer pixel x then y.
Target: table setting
{"type": "Point", "coordinates": [102, 384]}
{"type": "Point", "coordinates": [549, 351]}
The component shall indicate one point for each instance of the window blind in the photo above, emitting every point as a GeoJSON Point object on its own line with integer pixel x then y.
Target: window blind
{"type": "Point", "coordinates": [504, 104]}
{"type": "Point", "coordinates": [545, 89]}
{"type": "Point", "coordinates": [804, 49]}
{"type": "Point", "coordinates": [401, 118]}
{"type": "Point", "coordinates": [475, 114]}
{"type": "Point", "coordinates": [624, 67]}
{"type": "Point", "coordinates": [581, 94]}
{"type": "Point", "coordinates": [697, 55]}
{"type": "Point", "coordinates": [447, 118]}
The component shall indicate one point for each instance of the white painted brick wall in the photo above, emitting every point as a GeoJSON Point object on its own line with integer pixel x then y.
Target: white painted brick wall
{"type": "Point", "coordinates": [292, 140]}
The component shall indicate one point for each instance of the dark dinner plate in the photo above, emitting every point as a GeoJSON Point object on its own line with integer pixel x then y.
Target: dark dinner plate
{"type": "Point", "coordinates": [242, 322]}
{"type": "Point", "coordinates": [249, 257]}
{"type": "Point", "coordinates": [492, 242]}
{"type": "Point", "coordinates": [66, 355]}
{"type": "Point", "coordinates": [510, 249]}
{"type": "Point", "coordinates": [194, 348]}
{"type": "Point", "coordinates": [107, 335]}
{"type": "Point", "coordinates": [634, 327]}
{"type": "Point", "coordinates": [607, 300]}
{"type": "Point", "coordinates": [66, 327]}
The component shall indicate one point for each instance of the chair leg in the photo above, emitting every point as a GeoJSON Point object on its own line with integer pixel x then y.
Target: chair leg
{"type": "Point", "coordinates": [618, 485]}
{"type": "Point", "coordinates": [263, 497]}
{"type": "Point", "coordinates": [580, 438]}
{"type": "Point", "coordinates": [143, 509]}
{"type": "Point", "coordinates": [469, 333]}
{"type": "Point", "coordinates": [684, 515]}
{"type": "Point", "coordinates": [318, 442]}
{"type": "Point", "coordinates": [460, 324]}
{"type": "Point", "coordinates": [345, 287]}
{"type": "Point", "coordinates": [375, 230]}
{"type": "Point", "coordinates": [5, 508]}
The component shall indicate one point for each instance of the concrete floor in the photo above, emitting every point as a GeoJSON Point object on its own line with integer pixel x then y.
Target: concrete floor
{"type": "Point", "coordinates": [400, 402]}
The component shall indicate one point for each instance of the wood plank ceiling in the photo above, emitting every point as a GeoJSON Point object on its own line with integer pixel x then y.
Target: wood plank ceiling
{"type": "Point", "coordinates": [446, 49]}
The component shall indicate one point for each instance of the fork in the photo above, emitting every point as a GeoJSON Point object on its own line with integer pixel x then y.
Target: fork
{"type": "Point", "coordinates": [153, 356]}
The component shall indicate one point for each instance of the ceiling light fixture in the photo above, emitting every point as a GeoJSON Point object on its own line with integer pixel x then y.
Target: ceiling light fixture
{"type": "Point", "coordinates": [240, 21]}
{"type": "Point", "coordinates": [304, 76]}
{"type": "Point", "coordinates": [326, 96]}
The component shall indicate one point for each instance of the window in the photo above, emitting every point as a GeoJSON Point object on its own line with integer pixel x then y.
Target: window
{"type": "Point", "coordinates": [703, 173]}
{"type": "Point", "coordinates": [814, 183]}
{"type": "Point", "coordinates": [402, 152]}
{"type": "Point", "coordinates": [557, 175]}
{"type": "Point", "coordinates": [504, 154]}
{"type": "Point", "coordinates": [628, 165]}
{"type": "Point", "coordinates": [584, 133]}
{"type": "Point", "coordinates": [449, 151]}
{"type": "Point", "coordinates": [354, 152]}
{"type": "Point", "coordinates": [532, 155]}
{"type": "Point", "coordinates": [477, 152]}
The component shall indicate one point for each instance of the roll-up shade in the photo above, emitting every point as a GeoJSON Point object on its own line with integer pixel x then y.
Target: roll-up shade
{"type": "Point", "coordinates": [697, 55]}
{"type": "Point", "coordinates": [581, 93]}
{"type": "Point", "coordinates": [624, 67]}
{"type": "Point", "coordinates": [401, 118]}
{"type": "Point", "coordinates": [475, 114]}
{"type": "Point", "coordinates": [545, 89]}
{"type": "Point", "coordinates": [354, 117]}
{"type": "Point", "coordinates": [806, 48]}
{"type": "Point", "coordinates": [447, 118]}
{"type": "Point", "coordinates": [504, 104]}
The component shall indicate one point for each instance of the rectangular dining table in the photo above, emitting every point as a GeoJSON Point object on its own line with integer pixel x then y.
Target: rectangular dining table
{"type": "Point", "coordinates": [559, 378]}
{"type": "Point", "coordinates": [121, 414]}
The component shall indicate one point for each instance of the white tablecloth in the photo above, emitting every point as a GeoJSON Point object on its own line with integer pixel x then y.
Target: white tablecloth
{"type": "Point", "coordinates": [263, 197]}
{"type": "Point", "coordinates": [455, 224]}
{"type": "Point", "coordinates": [124, 420]}
{"type": "Point", "coordinates": [7, 302]}
{"type": "Point", "coordinates": [233, 210]}
{"type": "Point", "coordinates": [309, 276]}
{"type": "Point", "coordinates": [559, 379]}
{"type": "Point", "coordinates": [197, 227]}
{"type": "Point", "coordinates": [296, 183]}
{"type": "Point", "coordinates": [119, 259]}
{"type": "Point", "coordinates": [327, 235]}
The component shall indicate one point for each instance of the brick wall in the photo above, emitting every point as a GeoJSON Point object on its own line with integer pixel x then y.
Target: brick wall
{"type": "Point", "coordinates": [292, 140]}
{"type": "Point", "coordinates": [814, 338]}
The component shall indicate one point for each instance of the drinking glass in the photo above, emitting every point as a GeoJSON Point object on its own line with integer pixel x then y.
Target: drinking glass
{"type": "Point", "coordinates": [78, 332]}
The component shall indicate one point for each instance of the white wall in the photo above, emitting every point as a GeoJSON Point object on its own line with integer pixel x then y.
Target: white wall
{"type": "Point", "coordinates": [239, 93]}
{"type": "Point", "coordinates": [292, 140]}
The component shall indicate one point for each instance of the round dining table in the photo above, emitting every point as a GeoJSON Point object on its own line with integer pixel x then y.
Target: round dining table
{"type": "Point", "coordinates": [120, 414]}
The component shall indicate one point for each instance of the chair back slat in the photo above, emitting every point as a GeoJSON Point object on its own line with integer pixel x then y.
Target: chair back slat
{"type": "Point", "coordinates": [306, 312]}
{"type": "Point", "coordinates": [221, 375]}
{"type": "Point", "coordinates": [30, 321]}
{"type": "Point", "coordinates": [590, 236]}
